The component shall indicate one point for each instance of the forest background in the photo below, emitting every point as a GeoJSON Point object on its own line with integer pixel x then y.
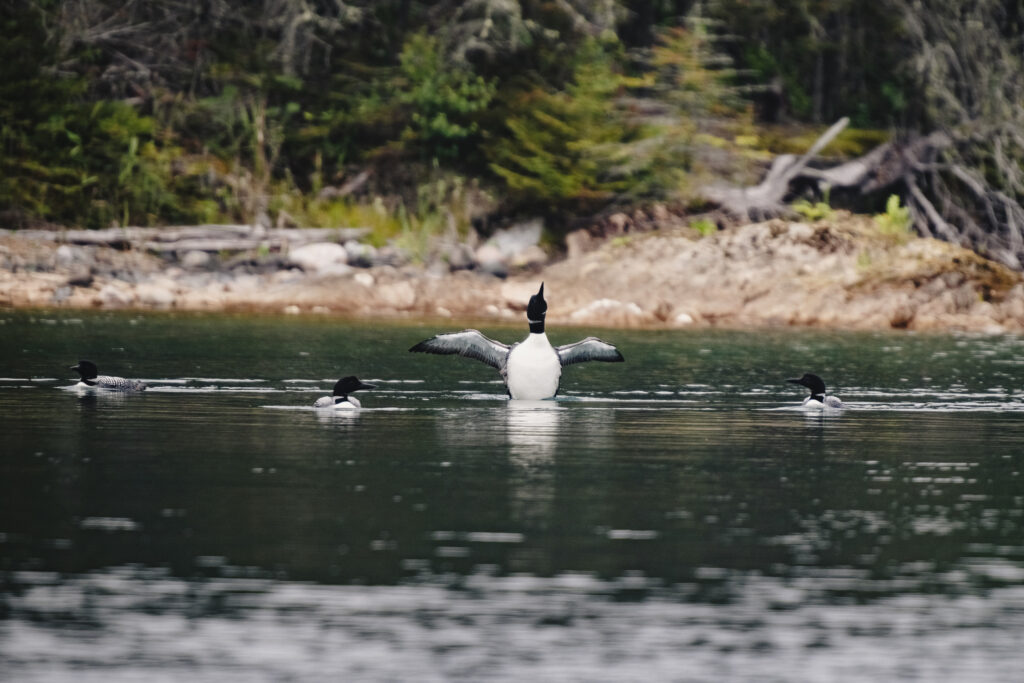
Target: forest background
{"type": "Point", "coordinates": [417, 118]}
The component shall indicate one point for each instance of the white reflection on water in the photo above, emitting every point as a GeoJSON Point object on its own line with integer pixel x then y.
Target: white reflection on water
{"type": "Point", "coordinates": [532, 429]}
{"type": "Point", "coordinates": [132, 624]}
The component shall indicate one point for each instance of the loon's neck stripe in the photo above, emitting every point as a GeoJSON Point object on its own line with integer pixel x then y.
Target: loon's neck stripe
{"type": "Point", "coordinates": [536, 326]}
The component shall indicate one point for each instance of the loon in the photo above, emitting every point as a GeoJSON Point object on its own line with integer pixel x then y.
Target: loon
{"type": "Point", "coordinates": [817, 400]}
{"type": "Point", "coordinates": [91, 380]}
{"type": "Point", "coordinates": [340, 400]}
{"type": "Point", "coordinates": [530, 368]}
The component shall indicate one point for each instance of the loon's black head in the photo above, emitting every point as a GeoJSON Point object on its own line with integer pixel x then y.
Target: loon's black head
{"type": "Point", "coordinates": [346, 385]}
{"type": "Point", "coordinates": [812, 382]}
{"type": "Point", "coordinates": [86, 368]}
{"type": "Point", "coordinates": [536, 310]}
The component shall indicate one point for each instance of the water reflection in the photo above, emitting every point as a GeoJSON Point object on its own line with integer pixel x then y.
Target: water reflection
{"type": "Point", "coordinates": [336, 417]}
{"type": "Point", "coordinates": [532, 429]}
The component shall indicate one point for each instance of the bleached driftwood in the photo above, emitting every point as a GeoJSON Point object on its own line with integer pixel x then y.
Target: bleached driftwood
{"type": "Point", "coordinates": [947, 198]}
{"type": "Point", "coordinates": [210, 238]}
{"type": "Point", "coordinates": [765, 199]}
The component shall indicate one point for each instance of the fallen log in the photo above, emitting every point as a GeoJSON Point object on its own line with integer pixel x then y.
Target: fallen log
{"type": "Point", "coordinates": [210, 238]}
{"type": "Point", "coordinates": [947, 198]}
{"type": "Point", "coordinates": [765, 199]}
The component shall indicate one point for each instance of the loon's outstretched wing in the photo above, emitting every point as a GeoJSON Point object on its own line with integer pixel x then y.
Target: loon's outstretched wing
{"type": "Point", "coordinates": [590, 348]}
{"type": "Point", "coordinates": [468, 343]}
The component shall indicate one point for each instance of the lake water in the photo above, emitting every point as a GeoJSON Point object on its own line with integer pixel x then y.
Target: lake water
{"type": "Point", "coordinates": [670, 518]}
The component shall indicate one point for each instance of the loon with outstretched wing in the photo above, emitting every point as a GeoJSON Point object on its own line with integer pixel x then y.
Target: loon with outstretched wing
{"type": "Point", "coordinates": [530, 368]}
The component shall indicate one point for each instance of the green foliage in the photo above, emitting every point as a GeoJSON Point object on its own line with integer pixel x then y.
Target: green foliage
{"type": "Point", "coordinates": [251, 112]}
{"type": "Point", "coordinates": [708, 129]}
{"type": "Point", "coordinates": [824, 58]}
{"type": "Point", "coordinates": [896, 220]}
{"type": "Point", "coordinates": [443, 205]}
{"type": "Point", "coordinates": [850, 143]}
{"type": "Point", "coordinates": [442, 99]}
{"type": "Point", "coordinates": [691, 73]}
{"type": "Point", "coordinates": [382, 221]}
{"type": "Point", "coordinates": [90, 163]}
{"type": "Point", "coordinates": [559, 147]}
{"type": "Point", "coordinates": [704, 227]}
{"type": "Point", "coordinates": [818, 211]}
{"type": "Point", "coordinates": [66, 159]}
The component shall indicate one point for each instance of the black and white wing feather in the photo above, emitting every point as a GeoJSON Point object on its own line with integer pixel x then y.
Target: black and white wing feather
{"type": "Point", "coordinates": [588, 349]}
{"type": "Point", "coordinates": [468, 343]}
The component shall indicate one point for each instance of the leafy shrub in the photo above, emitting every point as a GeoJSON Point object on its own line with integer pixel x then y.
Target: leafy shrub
{"type": "Point", "coordinates": [817, 211]}
{"type": "Point", "coordinates": [705, 227]}
{"type": "Point", "coordinates": [896, 219]}
{"type": "Point", "coordinates": [441, 98]}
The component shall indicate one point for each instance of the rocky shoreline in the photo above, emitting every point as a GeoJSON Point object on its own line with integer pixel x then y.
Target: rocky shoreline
{"type": "Point", "coordinates": [840, 273]}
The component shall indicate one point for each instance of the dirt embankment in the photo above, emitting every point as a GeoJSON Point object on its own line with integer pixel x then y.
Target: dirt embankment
{"type": "Point", "coordinates": [841, 273]}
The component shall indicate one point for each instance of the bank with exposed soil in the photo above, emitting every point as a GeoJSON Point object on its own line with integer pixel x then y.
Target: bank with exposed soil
{"type": "Point", "coordinates": [841, 273]}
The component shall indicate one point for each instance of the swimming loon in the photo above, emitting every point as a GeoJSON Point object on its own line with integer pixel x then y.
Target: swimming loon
{"type": "Point", "coordinates": [340, 400]}
{"type": "Point", "coordinates": [817, 400]}
{"type": "Point", "coordinates": [90, 380]}
{"type": "Point", "coordinates": [530, 368]}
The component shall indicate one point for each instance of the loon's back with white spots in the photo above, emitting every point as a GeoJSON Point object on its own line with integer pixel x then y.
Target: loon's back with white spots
{"type": "Point", "coordinates": [531, 368]}
{"type": "Point", "coordinates": [91, 380]}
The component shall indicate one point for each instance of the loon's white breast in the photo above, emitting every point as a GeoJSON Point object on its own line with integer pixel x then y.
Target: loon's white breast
{"type": "Point", "coordinates": [338, 403]}
{"type": "Point", "coordinates": [533, 369]}
{"type": "Point", "coordinates": [830, 403]}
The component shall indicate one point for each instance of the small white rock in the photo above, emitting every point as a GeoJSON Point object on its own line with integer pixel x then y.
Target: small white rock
{"type": "Point", "coordinates": [683, 319]}
{"type": "Point", "coordinates": [319, 257]}
{"type": "Point", "coordinates": [65, 256]}
{"type": "Point", "coordinates": [156, 295]}
{"type": "Point", "coordinates": [113, 296]}
{"type": "Point", "coordinates": [195, 259]}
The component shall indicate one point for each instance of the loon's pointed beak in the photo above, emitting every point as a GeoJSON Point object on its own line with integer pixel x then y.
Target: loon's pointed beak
{"type": "Point", "coordinates": [72, 367]}
{"type": "Point", "coordinates": [540, 292]}
{"type": "Point", "coordinates": [795, 381]}
{"type": "Point", "coordinates": [364, 385]}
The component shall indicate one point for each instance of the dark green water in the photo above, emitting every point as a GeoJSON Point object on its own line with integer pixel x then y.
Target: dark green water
{"type": "Point", "coordinates": [670, 518]}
